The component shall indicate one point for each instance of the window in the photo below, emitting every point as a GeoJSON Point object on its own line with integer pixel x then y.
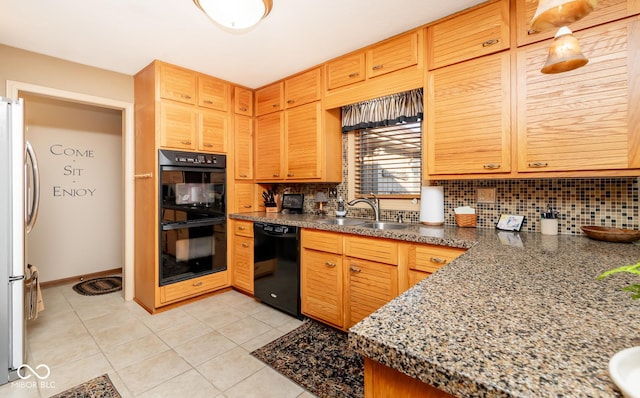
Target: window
{"type": "Point", "coordinates": [388, 160]}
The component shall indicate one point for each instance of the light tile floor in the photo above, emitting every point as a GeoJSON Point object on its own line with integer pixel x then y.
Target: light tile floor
{"type": "Point", "coordinates": [197, 350]}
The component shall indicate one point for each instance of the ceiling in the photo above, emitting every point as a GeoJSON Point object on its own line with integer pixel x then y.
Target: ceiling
{"type": "Point", "coordinates": [126, 35]}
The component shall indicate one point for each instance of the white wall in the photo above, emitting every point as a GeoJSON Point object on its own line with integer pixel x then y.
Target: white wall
{"type": "Point", "coordinates": [80, 223]}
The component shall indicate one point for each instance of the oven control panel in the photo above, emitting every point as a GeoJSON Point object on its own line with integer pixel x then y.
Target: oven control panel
{"type": "Point", "coordinates": [191, 159]}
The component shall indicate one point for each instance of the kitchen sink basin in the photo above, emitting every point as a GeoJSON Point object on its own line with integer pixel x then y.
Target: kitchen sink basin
{"type": "Point", "coordinates": [341, 221]}
{"type": "Point", "coordinates": [384, 225]}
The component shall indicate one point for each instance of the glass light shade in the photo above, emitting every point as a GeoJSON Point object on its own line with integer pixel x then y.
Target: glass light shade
{"type": "Point", "coordinates": [235, 14]}
{"type": "Point", "coordinates": [320, 197]}
{"type": "Point", "coordinates": [557, 13]}
{"type": "Point", "coordinates": [564, 53]}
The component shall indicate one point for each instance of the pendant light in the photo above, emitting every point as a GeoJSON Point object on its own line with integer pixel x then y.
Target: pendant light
{"type": "Point", "coordinates": [564, 53]}
{"type": "Point", "coordinates": [558, 13]}
{"type": "Point", "coordinates": [235, 15]}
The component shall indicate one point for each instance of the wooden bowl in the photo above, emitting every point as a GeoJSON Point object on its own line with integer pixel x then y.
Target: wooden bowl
{"type": "Point", "coordinates": [608, 234]}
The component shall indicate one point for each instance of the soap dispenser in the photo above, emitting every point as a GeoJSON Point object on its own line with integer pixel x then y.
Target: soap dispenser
{"type": "Point", "coordinates": [341, 212]}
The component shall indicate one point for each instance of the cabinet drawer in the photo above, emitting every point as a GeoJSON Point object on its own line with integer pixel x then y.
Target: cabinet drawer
{"type": "Point", "coordinates": [303, 88]}
{"type": "Point", "coordinates": [243, 228]}
{"type": "Point", "coordinates": [392, 55]}
{"type": "Point", "coordinates": [192, 287]}
{"type": "Point", "coordinates": [322, 241]}
{"type": "Point", "coordinates": [346, 70]}
{"type": "Point", "coordinates": [380, 250]}
{"type": "Point", "coordinates": [177, 84]}
{"type": "Point", "coordinates": [270, 99]}
{"type": "Point", "coordinates": [430, 258]}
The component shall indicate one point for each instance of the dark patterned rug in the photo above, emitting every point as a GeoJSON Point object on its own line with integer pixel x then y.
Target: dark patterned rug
{"type": "Point", "coordinates": [96, 286]}
{"type": "Point", "coordinates": [318, 358]}
{"type": "Point", "coordinates": [100, 387]}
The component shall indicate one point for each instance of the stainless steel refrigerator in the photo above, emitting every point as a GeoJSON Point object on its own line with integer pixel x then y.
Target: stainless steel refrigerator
{"type": "Point", "coordinates": [18, 209]}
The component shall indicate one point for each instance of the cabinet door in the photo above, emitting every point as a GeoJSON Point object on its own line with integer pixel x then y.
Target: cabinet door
{"type": "Point", "coordinates": [178, 126]}
{"type": "Point", "coordinates": [243, 101]}
{"type": "Point", "coordinates": [270, 99]}
{"type": "Point", "coordinates": [302, 141]}
{"type": "Point", "coordinates": [244, 198]}
{"type": "Point", "coordinates": [392, 55]}
{"type": "Point", "coordinates": [213, 93]}
{"type": "Point", "coordinates": [243, 263]}
{"type": "Point", "coordinates": [482, 31]}
{"type": "Point", "coordinates": [213, 131]}
{"type": "Point", "coordinates": [370, 285]}
{"type": "Point", "coordinates": [243, 138]}
{"type": "Point", "coordinates": [605, 11]}
{"type": "Point", "coordinates": [345, 70]}
{"type": "Point", "coordinates": [321, 286]}
{"type": "Point", "coordinates": [269, 147]}
{"type": "Point", "coordinates": [588, 118]}
{"type": "Point", "coordinates": [303, 88]}
{"type": "Point", "coordinates": [468, 117]}
{"type": "Point", "coordinates": [177, 84]}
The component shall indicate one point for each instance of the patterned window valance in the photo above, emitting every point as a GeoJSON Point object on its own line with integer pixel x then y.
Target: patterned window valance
{"type": "Point", "coordinates": [393, 109]}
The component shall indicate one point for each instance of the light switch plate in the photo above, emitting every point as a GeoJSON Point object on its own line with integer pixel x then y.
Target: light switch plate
{"type": "Point", "coordinates": [333, 192]}
{"type": "Point", "coordinates": [486, 195]}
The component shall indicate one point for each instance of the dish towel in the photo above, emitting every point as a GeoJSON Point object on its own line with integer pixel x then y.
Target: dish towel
{"type": "Point", "coordinates": [34, 295]}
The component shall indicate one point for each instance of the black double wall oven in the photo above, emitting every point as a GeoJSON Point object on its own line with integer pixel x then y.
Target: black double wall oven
{"type": "Point", "coordinates": [193, 226]}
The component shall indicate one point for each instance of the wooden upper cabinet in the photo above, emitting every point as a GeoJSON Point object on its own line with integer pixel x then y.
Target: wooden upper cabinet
{"type": "Point", "coordinates": [243, 101]}
{"type": "Point", "coordinates": [178, 126]}
{"type": "Point", "coordinates": [588, 118]}
{"type": "Point", "coordinates": [177, 84]}
{"type": "Point", "coordinates": [269, 147]}
{"type": "Point", "coordinates": [468, 128]}
{"type": "Point", "coordinates": [479, 32]}
{"type": "Point", "coordinates": [303, 140]}
{"type": "Point", "coordinates": [213, 131]}
{"type": "Point", "coordinates": [391, 55]}
{"type": "Point", "coordinates": [213, 93]}
{"type": "Point", "coordinates": [243, 139]}
{"type": "Point", "coordinates": [345, 70]}
{"type": "Point", "coordinates": [303, 88]}
{"type": "Point", "coordinates": [270, 99]}
{"type": "Point", "coordinates": [605, 11]}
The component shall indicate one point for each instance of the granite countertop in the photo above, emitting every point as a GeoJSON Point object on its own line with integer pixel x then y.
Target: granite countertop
{"type": "Point", "coordinates": [517, 315]}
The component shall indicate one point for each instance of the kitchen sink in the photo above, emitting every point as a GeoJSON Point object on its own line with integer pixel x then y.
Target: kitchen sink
{"type": "Point", "coordinates": [341, 221]}
{"type": "Point", "coordinates": [384, 225]}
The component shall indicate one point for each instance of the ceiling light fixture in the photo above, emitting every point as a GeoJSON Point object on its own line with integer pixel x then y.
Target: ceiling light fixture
{"type": "Point", "coordinates": [564, 53]}
{"type": "Point", "coordinates": [235, 15]}
{"type": "Point", "coordinates": [558, 13]}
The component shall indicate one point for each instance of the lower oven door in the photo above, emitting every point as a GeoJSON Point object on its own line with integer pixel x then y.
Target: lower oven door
{"type": "Point", "coordinates": [192, 249]}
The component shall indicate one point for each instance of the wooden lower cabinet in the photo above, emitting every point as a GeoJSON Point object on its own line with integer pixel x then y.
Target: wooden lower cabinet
{"type": "Point", "coordinates": [381, 381]}
{"type": "Point", "coordinates": [242, 256]}
{"type": "Point", "coordinates": [321, 286]}
{"type": "Point", "coordinates": [421, 260]}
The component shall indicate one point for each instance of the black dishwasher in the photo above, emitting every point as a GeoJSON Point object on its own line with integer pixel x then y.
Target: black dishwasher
{"type": "Point", "coordinates": [276, 257]}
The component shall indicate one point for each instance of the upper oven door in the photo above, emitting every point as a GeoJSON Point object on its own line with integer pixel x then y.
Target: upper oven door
{"type": "Point", "coordinates": [193, 189]}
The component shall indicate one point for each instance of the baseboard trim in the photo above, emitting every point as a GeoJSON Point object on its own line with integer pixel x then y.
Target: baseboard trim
{"type": "Point", "coordinates": [80, 278]}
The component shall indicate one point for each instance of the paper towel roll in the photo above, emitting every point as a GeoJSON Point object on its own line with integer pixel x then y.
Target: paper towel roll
{"type": "Point", "coordinates": [432, 205]}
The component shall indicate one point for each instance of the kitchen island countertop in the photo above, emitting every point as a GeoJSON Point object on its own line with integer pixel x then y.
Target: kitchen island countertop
{"type": "Point", "coordinates": [517, 315]}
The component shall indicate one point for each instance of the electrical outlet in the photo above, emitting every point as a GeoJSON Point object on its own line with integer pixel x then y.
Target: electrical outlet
{"type": "Point", "coordinates": [486, 195]}
{"type": "Point", "coordinates": [333, 192]}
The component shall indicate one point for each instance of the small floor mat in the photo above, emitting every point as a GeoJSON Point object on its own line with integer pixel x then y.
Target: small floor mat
{"type": "Point", "coordinates": [97, 286]}
{"type": "Point", "coordinates": [100, 387]}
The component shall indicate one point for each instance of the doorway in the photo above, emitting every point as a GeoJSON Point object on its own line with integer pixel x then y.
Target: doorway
{"type": "Point", "coordinates": [18, 89]}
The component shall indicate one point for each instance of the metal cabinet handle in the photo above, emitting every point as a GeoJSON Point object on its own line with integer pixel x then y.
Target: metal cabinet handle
{"type": "Point", "coordinates": [491, 166]}
{"type": "Point", "coordinates": [208, 102]}
{"type": "Point", "coordinates": [247, 206]}
{"type": "Point", "coordinates": [244, 109]}
{"type": "Point", "coordinates": [290, 101]}
{"type": "Point", "coordinates": [355, 269]}
{"type": "Point", "coordinates": [276, 175]}
{"type": "Point", "coordinates": [242, 227]}
{"type": "Point", "coordinates": [245, 245]}
{"type": "Point", "coordinates": [185, 142]}
{"type": "Point", "coordinates": [185, 96]}
{"type": "Point", "coordinates": [197, 284]}
{"type": "Point", "coordinates": [531, 32]}
{"type": "Point", "coordinates": [243, 176]}
{"type": "Point", "coordinates": [438, 260]}
{"type": "Point", "coordinates": [330, 264]}
{"type": "Point", "coordinates": [290, 174]}
{"type": "Point", "coordinates": [354, 74]}
{"type": "Point", "coordinates": [142, 176]}
{"type": "Point", "coordinates": [377, 67]}
{"type": "Point", "coordinates": [208, 145]}
{"type": "Point", "coordinates": [538, 164]}
{"type": "Point", "coordinates": [275, 105]}
{"type": "Point", "coordinates": [490, 42]}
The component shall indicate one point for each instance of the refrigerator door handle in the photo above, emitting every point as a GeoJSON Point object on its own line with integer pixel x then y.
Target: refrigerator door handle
{"type": "Point", "coordinates": [16, 278]}
{"type": "Point", "coordinates": [32, 208]}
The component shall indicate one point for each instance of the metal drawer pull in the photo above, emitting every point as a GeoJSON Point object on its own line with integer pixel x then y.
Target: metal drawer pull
{"type": "Point", "coordinates": [185, 142]}
{"type": "Point", "coordinates": [243, 176]}
{"type": "Point", "coordinates": [197, 284]}
{"type": "Point", "coordinates": [491, 166]}
{"type": "Point", "coordinates": [185, 96]}
{"type": "Point", "coordinates": [377, 67]}
{"type": "Point", "coordinates": [355, 269]}
{"type": "Point", "coordinates": [208, 102]}
{"type": "Point", "coordinates": [354, 74]}
{"type": "Point", "coordinates": [244, 109]}
{"type": "Point", "coordinates": [245, 244]}
{"type": "Point", "coordinates": [145, 175]}
{"type": "Point", "coordinates": [490, 42]}
{"type": "Point", "coordinates": [242, 227]}
{"type": "Point", "coordinates": [330, 264]}
{"type": "Point", "coordinates": [290, 101]}
{"type": "Point", "coordinates": [290, 175]}
{"type": "Point", "coordinates": [208, 145]}
{"type": "Point", "coordinates": [247, 206]}
{"type": "Point", "coordinates": [275, 105]}
{"type": "Point", "coordinates": [438, 260]}
{"type": "Point", "coordinates": [538, 164]}
{"type": "Point", "coordinates": [276, 175]}
{"type": "Point", "coordinates": [531, 32]}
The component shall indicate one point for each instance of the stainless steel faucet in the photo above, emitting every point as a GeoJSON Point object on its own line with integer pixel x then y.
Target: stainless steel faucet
{"type": "Point", "coordinates": [374, 203]}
